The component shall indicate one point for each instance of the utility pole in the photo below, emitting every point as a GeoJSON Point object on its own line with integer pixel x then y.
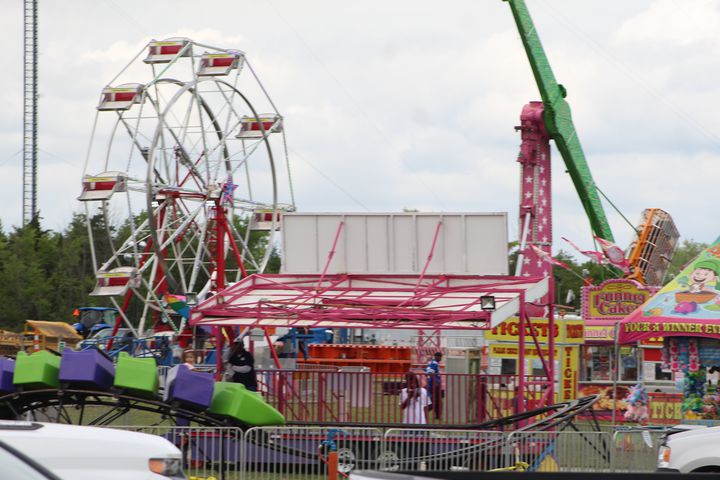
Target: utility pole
{"type": "Point", "coordinates": [30, 77]}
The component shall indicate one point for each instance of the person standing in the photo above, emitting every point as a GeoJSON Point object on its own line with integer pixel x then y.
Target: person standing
{"type": "Point", "coordinates": [414, 401]}
{"type": "Point", "coordinates": [242, 365]}
{"type": "Point", "coordinates": [434, 383]}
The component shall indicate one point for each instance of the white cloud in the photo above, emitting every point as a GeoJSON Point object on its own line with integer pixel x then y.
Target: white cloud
{"type": "Point", "coordinates": [668, 23]}
{"type": "Point", "coordinates": [408, 104]}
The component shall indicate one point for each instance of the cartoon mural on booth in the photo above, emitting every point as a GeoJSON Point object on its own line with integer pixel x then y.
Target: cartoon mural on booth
{"type": "Point", "coordinates": [695, 291]}
{"type": "Point", "coordinates": [685, 313]}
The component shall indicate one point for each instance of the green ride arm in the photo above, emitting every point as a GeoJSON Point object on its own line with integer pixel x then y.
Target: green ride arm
{"type": "Point", "coordinates": [558, 121]}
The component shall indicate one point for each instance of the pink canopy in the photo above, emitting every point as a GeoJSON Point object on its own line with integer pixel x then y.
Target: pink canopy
{"type": "Point", "coordinates": [368, 301]}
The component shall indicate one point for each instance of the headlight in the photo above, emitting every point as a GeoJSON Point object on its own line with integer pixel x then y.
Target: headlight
{"type": "Point", "coordinates": [664, 457]}
{"type": "Point", "coordinates": [169, 467]}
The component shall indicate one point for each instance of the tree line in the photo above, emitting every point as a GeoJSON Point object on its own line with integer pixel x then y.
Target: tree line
{"type": "Point", "coordinates": [46, 275]}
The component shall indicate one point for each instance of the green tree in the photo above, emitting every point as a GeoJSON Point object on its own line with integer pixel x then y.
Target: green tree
{"type": "Point", "coordinates": [685, 253]}
{"type": "Point", "coordinates": [27, 260]}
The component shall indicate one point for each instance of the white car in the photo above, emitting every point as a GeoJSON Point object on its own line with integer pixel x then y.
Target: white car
{"type": "Point", "coordinates": [91, 453]}
{"type": "Point", "coordinates": [690, 448]}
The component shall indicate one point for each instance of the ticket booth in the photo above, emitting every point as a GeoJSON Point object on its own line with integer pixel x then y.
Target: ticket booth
{"type": "Point", "coordinates": [503, 352]}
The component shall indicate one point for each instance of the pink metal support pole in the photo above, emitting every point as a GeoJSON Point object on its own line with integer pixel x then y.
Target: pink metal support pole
{"type": "Point", "coordinates": [219, 247]}
{"type": "Point", "coordinates": [331, 254]}
{"type": "Point", "coordinates": [422, 338]}
{"type": "Point", "coordinates": [538, 347]}
{"type": "Point", "coordinates": [550, 398]}
{"type": "Point", "coordinates": [236, 251]}
{"type": "Point", "coordinates": [272, 350]}
{"type": "Point", "coordinates": [430, 255]}
{"type": "Point", "coordinates": [520, 396]}
{"type": "Point", "coordinates": [218, 353]}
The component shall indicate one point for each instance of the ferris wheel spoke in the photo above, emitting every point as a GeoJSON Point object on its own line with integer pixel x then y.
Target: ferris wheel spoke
{"type": "Point", "coordinates": [246, 155]}
{"type": "Point", "coordinates": [175, 232]}
{"type": "Point", "coordinates": [182, 155]}
{"type": "Point", "coordinates": [142, 151]}
{"type": "Point", "coordinates": [124, 317]}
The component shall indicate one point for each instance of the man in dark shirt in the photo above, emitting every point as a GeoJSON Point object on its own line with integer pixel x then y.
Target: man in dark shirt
{"type": "Point", "coordinates": [242, 364]}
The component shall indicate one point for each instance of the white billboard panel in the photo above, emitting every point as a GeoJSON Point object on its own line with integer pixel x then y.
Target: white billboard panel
{"type": "Point", "coordinates": [467, 243]}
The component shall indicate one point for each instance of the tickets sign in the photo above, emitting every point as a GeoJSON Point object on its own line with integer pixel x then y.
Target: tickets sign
{"type": "Point", "coordinates": [564, 331]}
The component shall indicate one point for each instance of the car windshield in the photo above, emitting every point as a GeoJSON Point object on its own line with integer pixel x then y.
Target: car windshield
{"type": "Point", "coordinates": [17, 469]}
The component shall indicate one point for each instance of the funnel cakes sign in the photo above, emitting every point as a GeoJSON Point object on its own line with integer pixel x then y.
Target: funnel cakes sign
{"type": "Point", "coordinates": [613, 299]}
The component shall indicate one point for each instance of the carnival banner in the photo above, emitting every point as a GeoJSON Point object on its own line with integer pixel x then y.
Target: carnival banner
{"type": "Point", "coordinates": [687, 306]}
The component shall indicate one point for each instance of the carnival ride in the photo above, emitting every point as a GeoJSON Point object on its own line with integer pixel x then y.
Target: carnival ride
{"type": "Point", "coordinates": [70, 388]}
{"type": "Point", "coordinates": [176, 224]}
{"type": "Point", "coordinates": [86, 388]}
{"type": "Point", "coordinates": [184, 171]}
{"type": "Point", "coordinates": [551, 119]}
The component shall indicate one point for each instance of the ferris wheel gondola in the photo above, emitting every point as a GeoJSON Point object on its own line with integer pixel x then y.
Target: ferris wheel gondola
{"type": "Point", "coordinates": [177, 167]}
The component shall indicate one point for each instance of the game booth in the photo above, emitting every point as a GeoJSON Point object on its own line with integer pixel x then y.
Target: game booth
{"type": "Point", "coordinates": [683, 319]}
{"type": "Point", "coordinates": [610, 369]}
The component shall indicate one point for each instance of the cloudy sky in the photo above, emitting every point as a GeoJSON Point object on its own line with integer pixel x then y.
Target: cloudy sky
{"type": "Point", "coordinates": [408, 104]}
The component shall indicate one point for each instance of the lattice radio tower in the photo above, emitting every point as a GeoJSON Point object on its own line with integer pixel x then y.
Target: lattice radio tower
{"type": "Point", "coordinates": [30, 76]}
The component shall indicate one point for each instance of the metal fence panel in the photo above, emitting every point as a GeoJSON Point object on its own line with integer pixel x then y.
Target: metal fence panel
{"type": "Point", "coordinates": [206, 451]}
{"type": "Point", "coordinates": [563, 451]}
{"type": "Point", "coordinates": [298, 452]}
{"type": "Point", "coordinates": [410, 449]}
{"type": "Point", "coordinates": [371, 398]}
{"type": "Point", "coordinates": [636, 449]}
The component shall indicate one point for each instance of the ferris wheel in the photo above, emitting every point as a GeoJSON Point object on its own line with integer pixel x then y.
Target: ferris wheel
{"type": "Point", "coordinates": [184, 181]}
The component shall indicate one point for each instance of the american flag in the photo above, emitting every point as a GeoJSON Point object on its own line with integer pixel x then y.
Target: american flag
{"type": "Point", "coordinates": [228, 190]}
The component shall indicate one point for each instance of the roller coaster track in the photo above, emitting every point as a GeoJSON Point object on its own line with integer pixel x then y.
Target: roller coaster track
{"type": "Point", "coordinates": [75, 406]}
{"type": "Point", "coordinates": [70, 406]}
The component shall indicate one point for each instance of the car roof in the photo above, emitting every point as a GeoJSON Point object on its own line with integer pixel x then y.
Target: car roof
{"type": "Point", "coordinates": [12, 429]}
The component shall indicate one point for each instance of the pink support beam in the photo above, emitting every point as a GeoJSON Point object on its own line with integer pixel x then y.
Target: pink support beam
{"type": "Point", "coordinates": [331, 254]}
{"type": "Point", "coordinates": [366, 301]}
